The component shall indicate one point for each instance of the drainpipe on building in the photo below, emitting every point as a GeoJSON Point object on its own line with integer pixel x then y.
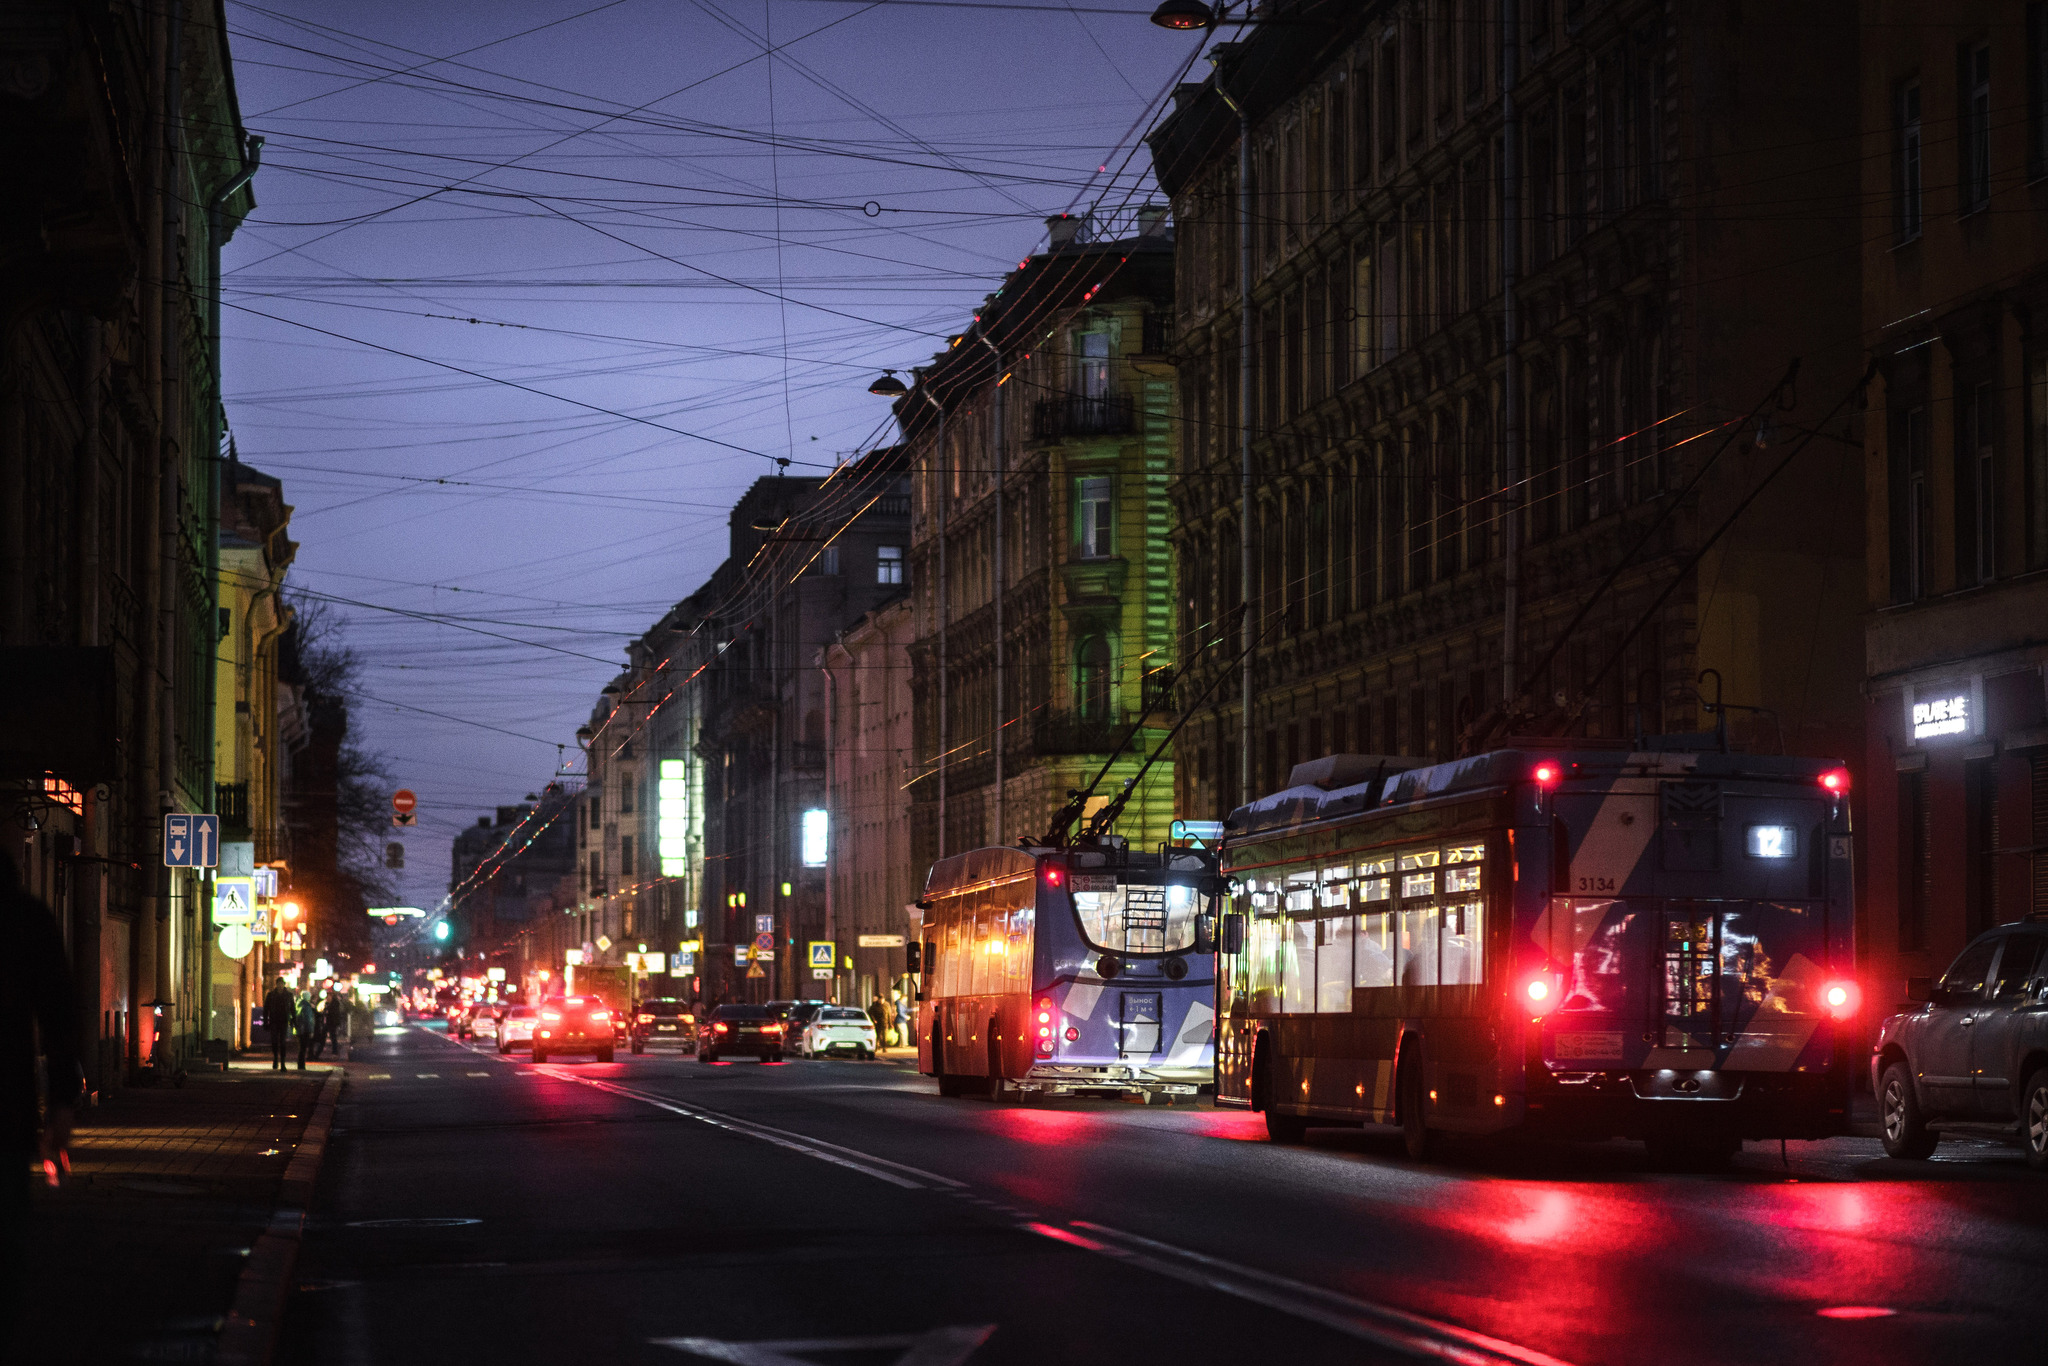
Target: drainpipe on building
{"type": "Point", "coordinates": [944, 683]}
{"type": "Point", "coordinates": [1002, 472]}
{"type": "Point", "coordinates": [1248, 619]}
{"type": "Point", "coordinates": [1511, 337]}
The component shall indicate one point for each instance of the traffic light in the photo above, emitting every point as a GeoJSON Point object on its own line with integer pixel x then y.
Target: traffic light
{"type": "Point", "coordinates": [441, 931]}
{"type": "Point", "coordinates": [913, 957]}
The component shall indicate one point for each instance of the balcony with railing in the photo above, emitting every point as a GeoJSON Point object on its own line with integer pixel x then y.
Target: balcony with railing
{"type": "Point", "coordinates": [1057, 419]}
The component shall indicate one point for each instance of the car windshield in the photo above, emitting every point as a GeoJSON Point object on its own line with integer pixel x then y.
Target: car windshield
{"type": "Point", "coordinates": [743, 1013]}
{"type": "Point", "coordinates": [803, 1011]}
{"type": "Point", "coordinates": [663, 1008]}
{"type": "Point", "coordinates": [844, 1014]}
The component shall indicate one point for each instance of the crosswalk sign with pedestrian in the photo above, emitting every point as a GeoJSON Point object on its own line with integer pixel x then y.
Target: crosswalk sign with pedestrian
{"type": "Point", "coordinates": [234, 900]}
{"type": "Point", "coordinates": [824, 953]}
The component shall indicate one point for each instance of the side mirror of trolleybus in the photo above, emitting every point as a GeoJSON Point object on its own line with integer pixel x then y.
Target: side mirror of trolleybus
{"type": "Point", "coordinates": [1231, 940]}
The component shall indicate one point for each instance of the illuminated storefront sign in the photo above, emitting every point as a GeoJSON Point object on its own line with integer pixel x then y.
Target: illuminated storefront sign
{"type": "Point", "coordinates": [1942, 711]}
{"type": "Point", "coordinates": [813, 836]}
{"type": "Point", "coordinates": [672, 817]}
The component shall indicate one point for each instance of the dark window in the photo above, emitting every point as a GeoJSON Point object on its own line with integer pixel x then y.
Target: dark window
{"type": "Point", "coordinates": [1092, 679]}
{"type": "Point", "coordinates": [1906, 161]}
{"type": "Point", "coordinates": [1361, 125]}
{"type": "Point", "coordinates": [2037, 459]}
{"type": "Point", "coordinates": [625, 856]}
{"type": "Point", "coordinates": [1980, 840]}
{"type": "Point", "coordinates": [1390, 105]}
{"type": "Point", "coordinates": [626, 792]}
{"type": "Point", "coordinates": [1911, 529]}
{"type": "Point", "coordinates": [1976, 485]}
{"type": "Point", "coordinates": [1916, 864]}
{"type": "Point", "coordinates": [1094, 519]}
{"type": "Point", "coordinates": [2037, 90]}
{"type": "Point", "coordinates": [1472, 28]}
{"type": "Point", "coordinates": [1973, 127]}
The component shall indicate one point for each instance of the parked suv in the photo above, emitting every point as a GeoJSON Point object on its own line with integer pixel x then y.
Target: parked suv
{"type": "Point", "coordinates": [1974, 1058]}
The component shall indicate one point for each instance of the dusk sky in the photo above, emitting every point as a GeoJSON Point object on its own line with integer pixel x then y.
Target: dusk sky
{"type": "Point", "coordinates": [488, 250]}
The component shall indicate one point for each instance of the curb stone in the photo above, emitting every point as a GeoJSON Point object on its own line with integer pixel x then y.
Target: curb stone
{"type": "Point", "coordinates": [249, 1336]}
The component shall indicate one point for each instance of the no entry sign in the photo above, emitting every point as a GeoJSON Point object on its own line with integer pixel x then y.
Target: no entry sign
{"type": "Point", "coordinates": [404, 802]}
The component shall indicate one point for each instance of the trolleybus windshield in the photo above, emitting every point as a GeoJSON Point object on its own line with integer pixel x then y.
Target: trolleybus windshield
{"type": "Point", "coordinates": [1134, 917]}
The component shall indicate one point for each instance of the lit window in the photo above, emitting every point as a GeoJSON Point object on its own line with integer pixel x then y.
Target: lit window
{"type": "Point", "coordinates": [1097, 532]}
{"type": "Point", "coordinates": [813, 837]}
{"type": "Point", "coordinates": [889, 564]}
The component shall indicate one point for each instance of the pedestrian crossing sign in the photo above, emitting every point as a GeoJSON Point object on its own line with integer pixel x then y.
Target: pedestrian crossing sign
{"type": "Point", "coordinates": [755, 971]}
{"type": "Point", "coordinates": [234, 900]}
{"type": "Point", "coordinates": [823, 954]}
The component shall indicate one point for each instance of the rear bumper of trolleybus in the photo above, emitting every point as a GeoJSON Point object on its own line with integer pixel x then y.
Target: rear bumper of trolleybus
{"type": "Point", "coordinates": [1643, 1104]}
{"type": "Point", "coordinates": [1128, 1078]}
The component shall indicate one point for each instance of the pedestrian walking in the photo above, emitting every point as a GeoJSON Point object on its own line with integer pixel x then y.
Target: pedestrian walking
{"type": "Point", "coordinates": [336, 1024]}
{"type": "Point", "coordinates": [278, 1010]}
{"type": "Point", "coordinates": [307, 1022]}
{"type": "Point", "coordinates": [878, 1012]}
{"type": "Point", "coordinates": [35, 997]}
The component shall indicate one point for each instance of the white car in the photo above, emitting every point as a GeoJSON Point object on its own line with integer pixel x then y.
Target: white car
{"type": "Point", "coordinates": [515, 1026]}
{"type": "Point", "coordinates": [485, 1022]}
{"type": "Point", "coordinates": [837, 1029]}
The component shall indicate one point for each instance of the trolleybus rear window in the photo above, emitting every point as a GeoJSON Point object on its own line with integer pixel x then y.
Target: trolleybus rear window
{"type": "Point", "coordinates": [1130, 917]}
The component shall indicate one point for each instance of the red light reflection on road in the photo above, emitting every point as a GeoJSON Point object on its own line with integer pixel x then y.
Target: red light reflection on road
{"type": "Point", "coordinates": [1549, 1217]}
{"type": "Point", "coordinates": [1056, 1127]}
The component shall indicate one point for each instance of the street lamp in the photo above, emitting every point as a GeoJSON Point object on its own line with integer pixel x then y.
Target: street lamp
{"type": "Point", "coordinates": [888, 386]}
{"type": "Point", "coordinates": [1184, 15]}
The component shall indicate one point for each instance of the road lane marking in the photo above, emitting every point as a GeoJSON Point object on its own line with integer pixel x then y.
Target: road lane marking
{"type": "Point", "coordinates": [939, 1347]}
{"type": "Point", "coordinates": [1363, 1319]}
{"type": "Point", "coordinates": [378, 1076]}
{"type": "Point", "coordinates": [781, 1138]}
{"type": "Point", "coordinates": [476, 1074]}
{"type": "Point", "coordinates": [424, 1075]}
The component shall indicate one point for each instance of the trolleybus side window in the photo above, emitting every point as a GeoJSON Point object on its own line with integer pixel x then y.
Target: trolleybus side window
{"type": "Point", "coordinates": [1333, 949]}
{"type": "Point", "coordinates": [1374, 948]}
{"type": "Point", "coordinates": [1265, 945]}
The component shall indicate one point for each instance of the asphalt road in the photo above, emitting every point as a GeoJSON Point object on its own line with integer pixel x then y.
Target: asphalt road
{"type": "Point", "coordinates": [654, 1209]}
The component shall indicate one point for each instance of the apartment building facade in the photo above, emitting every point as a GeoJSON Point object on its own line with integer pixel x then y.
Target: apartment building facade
{"type": "Point", "coordinates": [1515, 289]}
{"type": "Point", "coordinates": [1954, 111]}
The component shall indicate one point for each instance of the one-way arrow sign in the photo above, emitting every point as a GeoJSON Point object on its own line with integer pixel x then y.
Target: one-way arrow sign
{"type": "Point", "coordinates": [191, 841]}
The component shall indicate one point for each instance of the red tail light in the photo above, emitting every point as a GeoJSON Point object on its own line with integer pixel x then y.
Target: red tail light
{"type": "Point", "coordinates": [646, 1019]}
{"type": "Point", "coordinates": [599, 1016]}
{"type": "Point", "coordinates": [1053, 877]}
{"type": "Point", "coordinates": [718, 1029]}
{"type": "Point", "coordinates": [1547, 773]}
{"type": "Point", "coordinates": [1539, 993]}
{"type": "Point", "coordinates": [1841, 999]}
{"type": "Point", "coordinates": [771, 1029]}
{"type": "Point", "coordinates": [552, 1017]}
{"type": "Point", "coordinates": [1836, 781]}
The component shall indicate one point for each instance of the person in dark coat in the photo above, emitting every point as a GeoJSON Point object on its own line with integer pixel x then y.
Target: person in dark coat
{"type": "Point", "coordinates": [278, 1011]}
{"type": "Point", "coordinates": [334, 1021]}
{"type": "Point", "coordinates": [307, 1023]}
{"type": "Point", "coordinates": [37, 1006]}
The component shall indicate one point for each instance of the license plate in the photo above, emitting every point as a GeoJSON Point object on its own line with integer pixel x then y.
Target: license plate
{"type": "Point", "coordinates": [1588, 1046]}
{"type": "Point", "coordinates": [666, 1029]}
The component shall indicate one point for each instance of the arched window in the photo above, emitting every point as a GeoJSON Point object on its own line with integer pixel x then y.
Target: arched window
{"type": "Point", "coordinates": [1092, 679]}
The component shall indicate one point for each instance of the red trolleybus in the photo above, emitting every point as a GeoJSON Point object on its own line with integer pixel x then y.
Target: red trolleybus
{"type": "Point", "coordinates": [1052, 971]}
{"type": "Point", "coordinates": [1584, 943]}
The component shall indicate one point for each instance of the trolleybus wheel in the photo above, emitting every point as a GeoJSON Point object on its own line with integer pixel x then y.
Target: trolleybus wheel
{"type": "Point", "coordinates": [1282, 1128]}
{"type": "Point", "coordinates": [2034, 1119]}
{"type": "Point", "coordinates": [1905, 1130]}
{"type": "Point", "coordinates": [1415, 1132]}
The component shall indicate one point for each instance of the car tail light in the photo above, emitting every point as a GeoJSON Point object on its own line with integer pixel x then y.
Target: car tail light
{"type": "Point", "coordinates": [551, 1017]}
{"type": "Point", "coordinates": [771, 1029]}
{"type": "Point", "coordinates": [1841, 999]}
{"type": "Point", "coordinates": [599, 1016]}
{"type": "Point", "coordinates": [718, 1029]}
{"type": "Point", "coordinates": [646, 1019]}
{"type": "Point", "coordinates": [547, 1033]}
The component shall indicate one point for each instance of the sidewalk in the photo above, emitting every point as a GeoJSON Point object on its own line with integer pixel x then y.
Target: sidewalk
{"type": "Point", "coordinates": [139, 1258]}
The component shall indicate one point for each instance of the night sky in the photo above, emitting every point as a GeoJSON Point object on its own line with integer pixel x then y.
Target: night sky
{"type": "Point", "coordinates": [596, 266]}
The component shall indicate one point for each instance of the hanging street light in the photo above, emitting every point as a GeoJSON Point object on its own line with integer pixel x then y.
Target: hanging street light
{"type": "Point", "coordinates": [1184, 15]}
{"type": "Point", "coordinates": [888, 386]}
